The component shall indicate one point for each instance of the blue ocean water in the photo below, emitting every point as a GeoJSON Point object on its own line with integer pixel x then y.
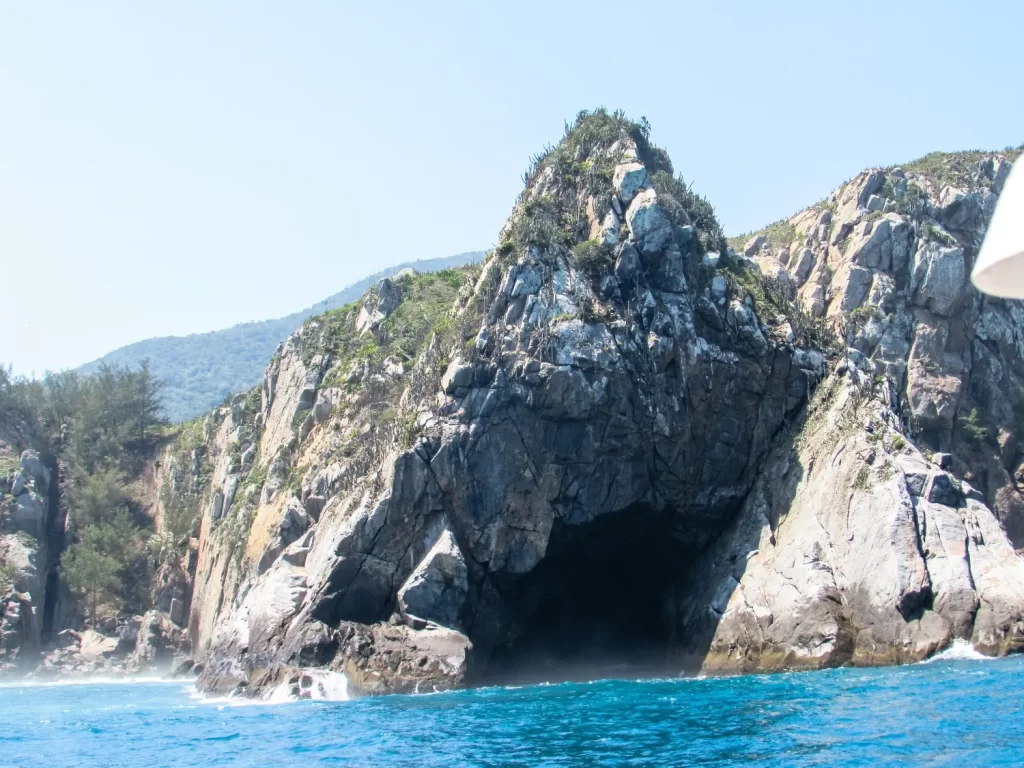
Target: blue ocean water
{"type": "Point", "coordinates": [948, 712]}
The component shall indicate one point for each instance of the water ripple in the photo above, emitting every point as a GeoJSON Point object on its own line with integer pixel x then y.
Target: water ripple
{"type": "Point", "coordinates": [954, 711]}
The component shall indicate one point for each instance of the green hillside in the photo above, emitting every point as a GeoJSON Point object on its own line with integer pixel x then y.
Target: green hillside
{"type": "Point", "coordinates": [201, 369]}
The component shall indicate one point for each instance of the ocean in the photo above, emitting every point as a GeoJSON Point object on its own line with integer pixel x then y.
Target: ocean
{"type": "Point", "coordinates": [954, 710]}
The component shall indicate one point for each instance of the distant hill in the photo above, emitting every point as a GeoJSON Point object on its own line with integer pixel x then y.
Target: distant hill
{"type": "Point", "coordinates": [201, 369]}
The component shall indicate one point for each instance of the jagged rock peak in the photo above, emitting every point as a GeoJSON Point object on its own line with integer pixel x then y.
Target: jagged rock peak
{"type": "Point", "coordinates": [563, 452]}
{"type": "Point", "coordinates": [585, 189]}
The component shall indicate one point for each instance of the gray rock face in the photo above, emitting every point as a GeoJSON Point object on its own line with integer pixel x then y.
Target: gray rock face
{"type": "Point", "coordinates": [754, 245]}
{"type": "Point", "coordinates": [379, 305]}
{"type": "Point", "coordinates": [938, 278]}
{"type": "Point", "coordinates": [157, 643]}
{"type": "Point", "coordinates": [627, 264]}
{"type": "Point", "coordinates": [26, 555]}
{"type": "Point", "coordinates": [33, 465]}
{"type": "Point", "coordinates": [832, 562]}
{"type": "Point", "coordinates": [29, 514]}
{"type": "Point", "coordinates": [437, 589]}
{"type": "Point", "coordinates": [630, 463]}
{"type": "Point", "coordinates": [628, 179]}
{"type": "Point", "coordinates": [649, 227]}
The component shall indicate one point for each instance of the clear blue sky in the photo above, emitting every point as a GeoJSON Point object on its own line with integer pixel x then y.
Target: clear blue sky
{"type": "Point", "coordinates": [181, 168]}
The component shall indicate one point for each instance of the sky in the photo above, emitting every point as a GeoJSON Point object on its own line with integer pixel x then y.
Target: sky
{"type": "Point", "coordinates": [180, 167]}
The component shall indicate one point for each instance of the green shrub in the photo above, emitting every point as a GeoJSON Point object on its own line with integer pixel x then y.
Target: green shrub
{"type": "Point", "coordinates": [8, 573]}
{"type": "Point", "coordinates": [865, 313]}
{"type": "Point", "coordinates": [593, 257]}
{"type": "Point", "coordinates": [972, 428]}
{"type": "Point", "coordinates": [770, 297]}
{"type": "Point", "coordinates": [781, 234]}
{"type": "Point", "coordinates": [684, 206]}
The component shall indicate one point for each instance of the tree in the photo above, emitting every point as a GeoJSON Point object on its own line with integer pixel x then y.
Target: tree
{"type": "Point", "coordinates": [63, 396]}
{"type": "Point", "coordinates": [92, 574]}
{"type": "Point", "coordinates": [106, 540]}
{"type": "Point", "coordinates": [147, 400]}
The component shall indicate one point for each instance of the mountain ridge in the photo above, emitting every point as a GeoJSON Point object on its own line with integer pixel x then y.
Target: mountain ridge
{"type": "Point", "coordinates": [200, 369]}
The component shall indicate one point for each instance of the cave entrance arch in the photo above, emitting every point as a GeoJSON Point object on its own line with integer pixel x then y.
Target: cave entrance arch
{"type": "Point", "coordinates": [602, 603]}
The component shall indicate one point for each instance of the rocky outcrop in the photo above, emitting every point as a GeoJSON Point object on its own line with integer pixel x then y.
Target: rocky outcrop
{"type": "Point", "coordinates": [30, 525]}
{"type": "Point", "coordinates": [896, 277]}
{"type": "Point", "coordinates": [151, 643]}
{"type": "Point", "coordinates": [599, 447]}
{"type": "Point", "coordinates": [852, 548]}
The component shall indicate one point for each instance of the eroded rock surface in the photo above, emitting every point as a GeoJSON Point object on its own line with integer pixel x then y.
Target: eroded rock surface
{"type": "Point", "coordinates": [598, 447]}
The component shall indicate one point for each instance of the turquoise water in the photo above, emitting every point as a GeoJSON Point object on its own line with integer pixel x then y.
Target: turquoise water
{"type": "Point", "coordinates": [948, 712]}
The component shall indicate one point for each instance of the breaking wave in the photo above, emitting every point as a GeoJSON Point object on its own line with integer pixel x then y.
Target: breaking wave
{"type": "Point", "coordinates": [960, 650]}
{"type": "Point", "coordinates": [313, 684]}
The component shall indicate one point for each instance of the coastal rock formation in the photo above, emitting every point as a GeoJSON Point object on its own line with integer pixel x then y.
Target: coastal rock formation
{"type": "Point", "coordinates": [30, 526]}
{"type": "Point", "coordinates": [853, 548]}
{"type": "Point", "coordinates": [621, 442]}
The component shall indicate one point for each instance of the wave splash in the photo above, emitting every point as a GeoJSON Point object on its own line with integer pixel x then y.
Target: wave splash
{"type": "Point", "coordinates": [313, 684]}
{"type": "Point", "coordinates": [960, 650]}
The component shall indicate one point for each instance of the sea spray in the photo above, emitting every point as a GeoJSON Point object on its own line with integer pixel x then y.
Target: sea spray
{"type": "Point", "coordinates": [312, 684]}
{"type": "Point", "coordinates": [960, 650]}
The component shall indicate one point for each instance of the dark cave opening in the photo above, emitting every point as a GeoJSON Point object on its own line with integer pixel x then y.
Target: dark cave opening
{"type": "Point", "coordinates": [601, 604]}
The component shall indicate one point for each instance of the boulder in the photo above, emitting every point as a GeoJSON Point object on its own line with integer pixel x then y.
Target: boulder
{"type": "Point", "coordinates": [628, 179]}
{"type": "Point", "coordinates": [29, 515]}
{"type": "Point", "coordinates": [802, 264]}
{"type": "Point", "coordinates": [379, 305]}
{"type": "Point", "coordinates": [1000, 172]}
{"type": "Point", "coordinates": [649, 226]}
{"type": "Point", "coordinates": [627, 264]}
{"type": "Point", "coordinates": [718, 288]}
{"type": "Point", "coordinates": [754, 245]}
{"type": "Point", "coordinates": [958, 210]}
{"type": "Point", "coordinates": [326, 400]}
{"type": "Point", "coordinates": [436, 591]}
{"type": "Point", "coordinates": [666, 271]}
{"type": "Point", "coordinates": [458, 376]}
{"type": "Point", "coordinates": [98, 646]}
{"type": "Point", "coordinates": [32, 463]}
{"type": "Point", "coordinates": [943, 489]}
{"type": "Point", "coordinates": [158, 641]}
{"type": "Point", "coordinates": [527, 282]}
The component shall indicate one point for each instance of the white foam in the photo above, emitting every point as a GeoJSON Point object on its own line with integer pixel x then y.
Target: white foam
{"type": "Point", "coordinates": [85, 680]}
{"type": "Point", "coordinates": [314, 684]}
{"type": "Point", "coordinates": [960, 650]}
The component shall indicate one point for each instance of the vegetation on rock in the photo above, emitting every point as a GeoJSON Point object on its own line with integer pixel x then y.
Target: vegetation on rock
{"type": "Point", "coordinates": [201, 369]}
{"type": "Point", "coordinates": [102, 429]}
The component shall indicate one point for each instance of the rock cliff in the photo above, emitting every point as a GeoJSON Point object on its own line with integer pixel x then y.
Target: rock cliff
{"type": "Point", "coordinates": [31, 540]}
{"type": "Point", "coordinates": [621, 442]}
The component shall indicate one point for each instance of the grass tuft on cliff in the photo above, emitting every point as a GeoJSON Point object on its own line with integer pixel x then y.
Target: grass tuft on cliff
{"type": "Point", "coordinates": [426, 301]}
